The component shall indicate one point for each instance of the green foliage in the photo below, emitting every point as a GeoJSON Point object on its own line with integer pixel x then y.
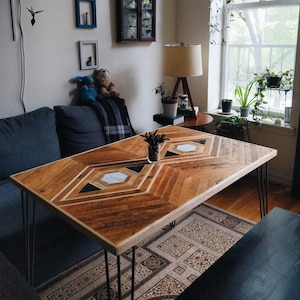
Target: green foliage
{"type": "Point", "coordinates": [165, 96]}
{"type": "Point", "coordinates": [244, 96]}
{"type": "Point", "coordinates": [233, 120]}
{"type": "Point", "coordinates": [153, 138]}
{"type": "Point", "coordinates": [218, 11]}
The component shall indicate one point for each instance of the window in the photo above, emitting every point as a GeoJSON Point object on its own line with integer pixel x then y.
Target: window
{"type": "Point", "coordinates": [266, 38]}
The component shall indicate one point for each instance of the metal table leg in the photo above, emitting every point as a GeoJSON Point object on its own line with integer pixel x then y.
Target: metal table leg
{"type": "Point", "coordinates": [263, 188]}
{"type": "Point", "coordinates": [29, 235]}
{"type": "Point", "coordinates": [119, 275]}
{"type": "Point", "coordinates": [107, 275]}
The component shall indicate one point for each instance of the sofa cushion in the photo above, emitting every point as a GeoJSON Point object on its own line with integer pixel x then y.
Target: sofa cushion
{"type": "Point", "coordinates": [79, 129]}
{"type": "Point", "coordinates": [28, 140]}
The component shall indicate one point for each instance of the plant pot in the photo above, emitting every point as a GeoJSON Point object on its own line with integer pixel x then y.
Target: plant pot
{"type": "Point", "coordinates": [153, 154]}
{"type": "Point", "coordinates": [273, 82]}
{"type": "Point", "coordinates": [244, 112]}
{"type": "Point", "coordinates": [170, 109]}
{"type": "Point", "coordinates": [226, 105]}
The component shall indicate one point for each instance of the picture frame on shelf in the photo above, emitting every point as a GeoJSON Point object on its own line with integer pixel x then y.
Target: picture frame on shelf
{"type": "Point", "coordinates": [88, 53]}
{"type": "Point", "coordinates": [86, 14]}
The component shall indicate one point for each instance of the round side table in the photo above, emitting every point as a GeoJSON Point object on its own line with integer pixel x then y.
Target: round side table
{"type": "Point", "coordinates": [202, 120]}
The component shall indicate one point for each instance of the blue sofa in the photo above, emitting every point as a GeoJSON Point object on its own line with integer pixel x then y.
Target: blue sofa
{"type": "Point", "coordinates": [29, 140]}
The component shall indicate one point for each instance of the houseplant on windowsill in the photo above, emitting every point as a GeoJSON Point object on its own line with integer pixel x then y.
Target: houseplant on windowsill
{"type": "Point", "coordinates": [245, 98]}
{"type": "Point", "coordinates": [270, 79]}
{"type": "Point", "coordinates": [169, 103]}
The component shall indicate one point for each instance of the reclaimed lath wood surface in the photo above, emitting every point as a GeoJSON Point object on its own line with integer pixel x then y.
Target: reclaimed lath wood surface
{"type": "Point", "coordinates": [118, 215]}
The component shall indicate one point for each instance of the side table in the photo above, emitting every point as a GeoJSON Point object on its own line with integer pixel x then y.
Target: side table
{"type": "Point", "coordinates": [202, 120]}
{"type": "Point", "coordinates": [190, 122]}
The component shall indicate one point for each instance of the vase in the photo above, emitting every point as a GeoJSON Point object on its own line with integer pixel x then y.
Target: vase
{"type": "Point", "coordinates": [153, 154]}
{"type": "Point", "coordinates": [226, 106]}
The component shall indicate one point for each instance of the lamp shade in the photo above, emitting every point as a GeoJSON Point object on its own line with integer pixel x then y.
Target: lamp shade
{"type": "Point", "coordinates": [182, 60]}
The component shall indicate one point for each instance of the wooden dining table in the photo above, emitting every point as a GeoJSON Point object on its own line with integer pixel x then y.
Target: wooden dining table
{"type": "Point", "coordinates": [116, 197]}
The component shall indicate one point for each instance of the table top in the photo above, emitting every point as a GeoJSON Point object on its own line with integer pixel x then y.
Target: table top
{"type": "Point", "coordinates": [202, 120]}
{"type": "Point", "coordinates": [115, 196]}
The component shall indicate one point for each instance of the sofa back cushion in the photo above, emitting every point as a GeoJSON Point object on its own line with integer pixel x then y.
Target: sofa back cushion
{"type": "Point", "coordinates": [78, 128]}
{"type": "Point", "coordinates": [27, 141]}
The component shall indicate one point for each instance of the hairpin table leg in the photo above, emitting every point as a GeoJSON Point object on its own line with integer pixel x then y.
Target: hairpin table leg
{"type": "Point", "coordinates": [263, 188]}
{"type": "Point", "coordinates": [29, 235]}
{"type": "Point", "coordinates": [107, 275]}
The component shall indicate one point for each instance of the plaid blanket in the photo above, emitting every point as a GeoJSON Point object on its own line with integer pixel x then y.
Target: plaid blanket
{"type": "Point", "coordinates": [113, 115]}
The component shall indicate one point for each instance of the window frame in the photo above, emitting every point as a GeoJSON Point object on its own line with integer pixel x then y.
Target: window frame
{"type": "Point", "coordinates": [241, 6]}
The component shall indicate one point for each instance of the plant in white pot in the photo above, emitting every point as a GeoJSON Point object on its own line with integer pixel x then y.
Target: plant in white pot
{"type": "Point", "coordinates": [245, 98]}
{"type": "Point", "coordinates": [169, 103]}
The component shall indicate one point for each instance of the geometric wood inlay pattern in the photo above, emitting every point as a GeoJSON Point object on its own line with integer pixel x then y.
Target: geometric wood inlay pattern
{"type": "Point", "coordinates": [114, 195]}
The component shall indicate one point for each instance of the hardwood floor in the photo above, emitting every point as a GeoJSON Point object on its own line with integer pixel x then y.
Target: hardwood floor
{"type": "Point", "coordinates": [242, 198]}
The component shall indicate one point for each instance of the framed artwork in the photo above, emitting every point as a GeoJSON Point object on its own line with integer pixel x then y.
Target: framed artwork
{"type": "Point", "coordinates": [86, 14]}
{"type": "Point", "coordinates": [88, 52]}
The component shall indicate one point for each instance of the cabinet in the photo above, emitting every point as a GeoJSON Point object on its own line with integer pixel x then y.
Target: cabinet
{"type": "Point", "coordinates": [135, 20]}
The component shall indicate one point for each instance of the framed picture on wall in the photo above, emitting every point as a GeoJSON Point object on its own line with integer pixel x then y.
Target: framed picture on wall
{"type": "Point", "coordinates": [88, 52]}
{"type": "Point", "coordinates": [86, 13]}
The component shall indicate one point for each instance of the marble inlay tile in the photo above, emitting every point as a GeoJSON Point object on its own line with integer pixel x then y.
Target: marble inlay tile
{"type": "Point", "coordinates": [115, 177]}
{"type": "Point", "coordinates": [186, 147]}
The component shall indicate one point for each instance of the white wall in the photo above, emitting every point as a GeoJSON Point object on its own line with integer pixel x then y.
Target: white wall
{"type": "Point", "coordinates": [52, 57]}
{"type": "Point", "coordinates": [52, 61]}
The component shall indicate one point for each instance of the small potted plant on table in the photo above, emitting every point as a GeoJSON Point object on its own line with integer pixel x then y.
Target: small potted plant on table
{"type": "Point", "coordinates": [154, 140]}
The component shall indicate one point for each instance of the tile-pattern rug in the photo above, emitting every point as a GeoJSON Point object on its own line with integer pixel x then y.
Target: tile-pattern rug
{"type": "Point", "coordinates": [167, 262]}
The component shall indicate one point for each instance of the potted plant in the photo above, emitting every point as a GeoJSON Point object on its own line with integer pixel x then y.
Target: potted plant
{"type": "Point", "coordinates": [233, 127]}
{"type": "Point", "coordinates": [270, 79]}
{"type": "Point", "coordinates": [154, 140]}
{"type": "Point", "coordinates": [245, 98]}
{"type": "Point", "coordinates": [169, 103]}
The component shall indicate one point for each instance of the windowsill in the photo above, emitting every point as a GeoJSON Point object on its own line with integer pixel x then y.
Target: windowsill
{"type": "Point", "coordinates": [265, 124]}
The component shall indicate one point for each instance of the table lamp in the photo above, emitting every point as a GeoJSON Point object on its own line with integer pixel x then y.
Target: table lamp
{"type": "Point", "coordinates": [182, 61]}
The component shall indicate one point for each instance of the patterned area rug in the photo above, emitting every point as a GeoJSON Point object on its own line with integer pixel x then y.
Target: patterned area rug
{"type": "Point", "coordinates": [167, 262]}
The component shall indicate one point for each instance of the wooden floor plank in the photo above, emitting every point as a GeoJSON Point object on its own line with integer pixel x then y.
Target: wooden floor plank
{"type": "Point", "coordinates": [242, 198]}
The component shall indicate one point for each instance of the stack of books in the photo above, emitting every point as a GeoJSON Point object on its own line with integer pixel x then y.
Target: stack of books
{"type": "Point", "coordinates": [163, 120]}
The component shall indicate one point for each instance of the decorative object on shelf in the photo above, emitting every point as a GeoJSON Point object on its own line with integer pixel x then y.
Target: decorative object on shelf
{"type": "Point", "coordinates": [33, 13]}
{"type": "Point", "coordinates": [136, 20]}
{"type": "Point", "coordinates": [182, 61]}
{"type": "Point", "coordinates": [154, 140]}
{"type": "Point", "coordinates": [88, 51]}
{"type": "Point", "coordinates": [226, 105]}
{"type": "Point", "coordinates": [169, 104]}
{"type": "Point", "coordinates": [183, 101]}
{"type": "Point", "coordinates": [245, 98]}
{"type": "Point", "coordinates": [86, 14]}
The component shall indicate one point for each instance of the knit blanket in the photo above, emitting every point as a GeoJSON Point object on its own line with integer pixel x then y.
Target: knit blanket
{"type": "Point", "coordinates": [113, 115]}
